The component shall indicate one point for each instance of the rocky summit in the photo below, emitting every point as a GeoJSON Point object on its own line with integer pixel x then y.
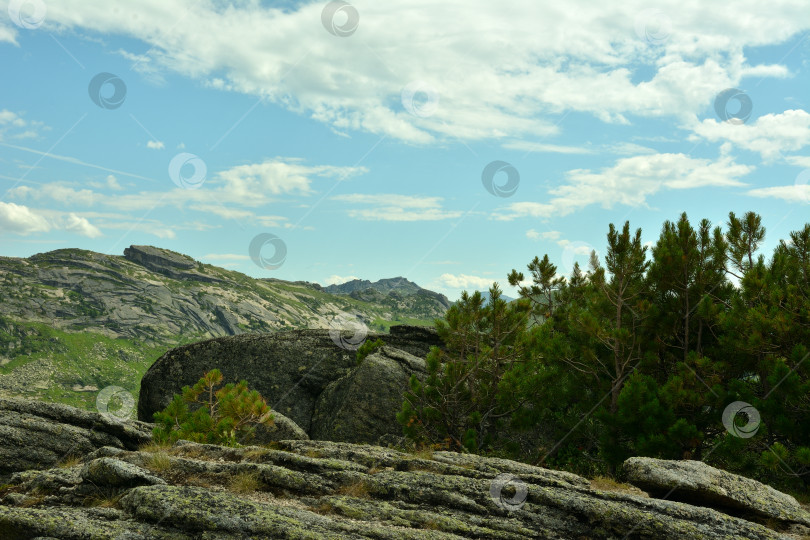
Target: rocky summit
{"type": "Point", "coordinates": [102, 479]}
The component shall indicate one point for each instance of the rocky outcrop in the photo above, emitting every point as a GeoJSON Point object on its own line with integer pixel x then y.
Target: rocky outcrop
{"type": "Point", "coordinates": [314, 490]}
{"type": "Point", "coordinates": [292, 370]}
{"type": "Point", "coordinates": [38, 435]}
{"type": "Point", "coordinates": [289, 369]}
{"type": "Point", "coordinates": [282, 429]}
{"type": "Point", "coordinates": [698, 483]}
{"type": "Point", "coordinates": [362, 405]}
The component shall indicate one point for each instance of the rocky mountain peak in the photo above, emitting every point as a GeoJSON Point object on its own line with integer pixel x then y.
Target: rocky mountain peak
{"type": "Point", "coordinates": [159, 259]}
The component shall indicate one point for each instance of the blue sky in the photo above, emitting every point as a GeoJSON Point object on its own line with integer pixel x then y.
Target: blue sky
{"type": "Point", "coordinates": [357, 134]}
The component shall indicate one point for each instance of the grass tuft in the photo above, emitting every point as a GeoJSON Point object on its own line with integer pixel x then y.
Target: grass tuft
{"type": "Point", "coordinates": [69, 461]}
{"type": "Point", "coordinates": [159, 462]}
{"type": "Point", "coordinates": [358, 489]}
{"type": "Point", "coordinates": [245, 482]}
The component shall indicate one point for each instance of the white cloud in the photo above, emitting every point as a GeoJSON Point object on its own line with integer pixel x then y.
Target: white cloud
{"type": "Point", "coordinates": [463, 281]}
{"type": "Point", "coordinates": [770, 135]}
{"type": "Point", "coordinates": [581, 58]}
{"type": "Point", "coordinates": [226, 257]}
{"type": "Point", "coordinates": [153, 227]}
{"type": "Point", "coordinates": [548, 235]}
{"type": "Point", "coordinates": [279, 176]}
{"type": "Point", "coordinates": [394, 207]}
{"type": "Point", "coordinates": [81, 226]}
{"type": "Point", "coordinates": [629, 182]}
{"type": "Point", "coordinates": [801, 161]}
{"type": "Point", "coordinates": [155, 145]}
{"type": "Point", "coordinates": [21, 219]}
{"type": "Point", "coordinates": [7, 34]}
{"type": "Point", "coordinates": [226, 195]}
{"type": "Point", "coordinates": [14, 125]}
{"type": "Point", "coordinates": [337, 280]}
{"type": "Point", "coordinates": [112, 183]}
{"type": "Point", "coordinates": [799, 193]}
{"type": "Point", "coordinates": [546, 148]}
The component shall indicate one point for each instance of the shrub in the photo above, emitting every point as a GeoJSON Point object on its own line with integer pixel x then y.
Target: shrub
{"type": "Point", "coordinates": [227, 416]}
{"type": "Point", "coordinates": [367, 348]}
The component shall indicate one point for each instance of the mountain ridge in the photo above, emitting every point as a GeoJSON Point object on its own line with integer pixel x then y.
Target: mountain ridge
{"type": "Point", "coordinates": [77, 319]}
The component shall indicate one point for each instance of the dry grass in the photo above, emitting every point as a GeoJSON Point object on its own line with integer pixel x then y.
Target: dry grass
{"type": "Point", "coordinates": [159, 462]}
{"type": "Point", "coordinates": [32, 501]}
{"type": "Point", "coordinates": [253, 454]}
{"type": "Point", "coordinates": [323, 508]}
{"type": "Point", "coordinates": [154, 447]}
{"type": "Point", "coordinates": [425, 452]}
{"type": "Point", "coordinates": [358, 489]}
{"type": "Point", "coordinates": [104, 498]}
{"type": "Point", "coordinates": [69, 461]}
{"type": "Point", "coordinates": [605, 483]}
{"type": "Point", "coordinates": [245, 482]}
{"type": "Point", "coordinates": [199, 481]}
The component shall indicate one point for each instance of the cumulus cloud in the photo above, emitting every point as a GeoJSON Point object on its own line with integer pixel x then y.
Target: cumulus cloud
{"type": "Point", "coordinates": [337, 280]}
{"type": "Point", "coordinates": [229, 194]}
{"type": "Point", "coordinates": [226, 257]}
{"type": "Point", "coordinates": [155, 145]}
{"type": "Point", "coordinates": [578, 58]}
{"type": "Point", "coordinates": [112, 183]}
{"type": "Point", "coordinates": [80, 225]}
{"type": "Point", "coordinates": [630, 182]}
{"type": "Point", "coordinates": [769, 135]}
{"type": "Point", "coordinates": [23, 220]}
{"type": "Point", "coordinates": [547, 235]}
{"type": "Point", "coordinates": [7, 34]}
{"type": "Point", "coordinates": [14, 126]}
{"type": "Point", "coordinates": [279, 176]}
{"type": "Point", "coordinates": [395, 207]}
{"type": "Point", "coordinates": [463, 281]}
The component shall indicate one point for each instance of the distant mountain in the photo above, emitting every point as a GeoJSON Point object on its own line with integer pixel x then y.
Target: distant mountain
{"type": "Point", "coordinates": [73, 321]}
{"type": "Point", "coordinates": [397, 293]}
{"type": "Point", "coordinates": [399, 284]}
{"type": "Point", "coordinates": [485, 294]}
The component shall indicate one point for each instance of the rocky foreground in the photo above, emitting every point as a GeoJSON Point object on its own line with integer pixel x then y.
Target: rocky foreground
{"type": "Point", "coordinates": [70, 474]}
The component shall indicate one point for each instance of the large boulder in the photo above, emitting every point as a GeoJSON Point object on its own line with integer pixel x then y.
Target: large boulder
{"type": "Point", "coordinates": [362, 405]}
{"type": "Point", "coordinates": [38, 435]}
{"type": "Point", "coordinates": [290, 369]}
{"type": "Point", "coordinates": [698, 483]}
